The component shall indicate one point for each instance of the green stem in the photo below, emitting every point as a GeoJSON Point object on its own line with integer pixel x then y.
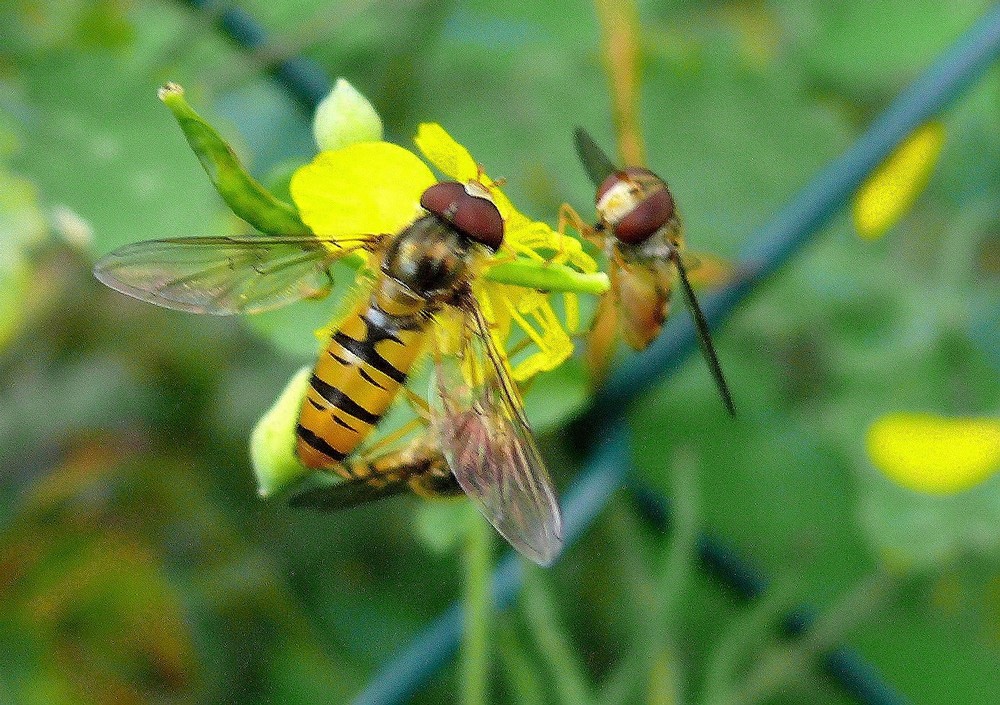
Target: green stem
{"type": "Point", "coordinates": [547, 277]}
{"type": "Point", "coordinates": [475, 647]}
{"type": "Point", "coordinates": [749, 633]}
{"type": "Point", "coordinates": [523, 678]}
{"type": "Point", "coordinates": [569, 680]}
{"type": "Point", "coordinates": [652, 661]}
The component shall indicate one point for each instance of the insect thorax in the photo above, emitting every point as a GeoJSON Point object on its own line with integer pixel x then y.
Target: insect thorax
{"type": "Point", "coordinates": [430, 258]}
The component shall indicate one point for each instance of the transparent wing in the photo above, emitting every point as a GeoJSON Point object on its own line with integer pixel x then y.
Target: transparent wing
{"type": "Point", "coordinates": [225, 275]}
{"type": "Point", "coordinates": [347, 494]}
{"type": "Point", "coordinates": [596, 163]}
{"type": "Point", "coordinates": [479, 419]}
{"type": "Point", "coordinates": [704, 337]}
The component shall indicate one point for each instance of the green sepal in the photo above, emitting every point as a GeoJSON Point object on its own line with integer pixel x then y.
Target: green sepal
{"type": "Point", "coordinates": [273, 441]}
{"type": "Point", "coordinates": [242, 193]}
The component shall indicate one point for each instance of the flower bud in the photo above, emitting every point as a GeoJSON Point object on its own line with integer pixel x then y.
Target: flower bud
{"type": "Point", "coordinates": [345, 117]}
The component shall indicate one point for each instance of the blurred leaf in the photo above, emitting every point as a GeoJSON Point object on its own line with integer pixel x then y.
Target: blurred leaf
{"type": "Point", "coordinates": [553, 397]}
{"type": "Point", "coordinates": [867, 47]}
{"type": "Point", "coordinates": [441, 524]}
{"type": "Point", "coordinates": [108, 150]}
{"type": "Point", "coordinates": [106, 24]}
{"type": "Point", "coordinates": [918, 532]}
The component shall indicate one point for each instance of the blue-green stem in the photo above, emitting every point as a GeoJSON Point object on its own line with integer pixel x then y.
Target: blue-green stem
{"type": "Point", "coordinates": [478, 608]}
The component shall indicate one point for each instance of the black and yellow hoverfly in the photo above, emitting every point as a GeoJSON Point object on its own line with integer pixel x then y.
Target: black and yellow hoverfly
{"type": "Point", "coordinates": [479, 431]}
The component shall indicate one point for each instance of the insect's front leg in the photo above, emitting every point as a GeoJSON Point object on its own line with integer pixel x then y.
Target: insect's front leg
{"type": "Point", "coordinates": [569, 218]}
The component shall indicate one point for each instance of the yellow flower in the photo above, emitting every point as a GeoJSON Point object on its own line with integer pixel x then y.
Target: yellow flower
{"type": "Point", "coordinates": [892, 189]}
{"type": "Point", "coordinates": [375, 187]}
{"type": "Point", "coordinates": [934, 454]}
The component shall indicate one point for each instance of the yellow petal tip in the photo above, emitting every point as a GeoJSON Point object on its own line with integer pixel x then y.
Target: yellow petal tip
{"type": "Point", "coordinates": [934, 454]}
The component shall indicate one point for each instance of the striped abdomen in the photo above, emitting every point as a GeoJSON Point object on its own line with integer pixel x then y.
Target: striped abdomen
{"type": "Point", "coordinates": [418, 465]}
{"type": "Point", "coordinates": [357, 377]}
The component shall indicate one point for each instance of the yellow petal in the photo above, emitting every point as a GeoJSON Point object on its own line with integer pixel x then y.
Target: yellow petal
{"type": "Point", "coordinates": [445, 153]}
{"type": "Point", "coordinates": [890, 191]}
{"type": "Point", "coordinates": [364, 189]}
{"type": "Point", "coordinates": [521, 315]}
{"type": "Point", "coordinates": [934, 454]}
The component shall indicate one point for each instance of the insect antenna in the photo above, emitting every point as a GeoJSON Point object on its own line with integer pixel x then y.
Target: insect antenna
{"type": "Point", "coordinates": [704, 337]}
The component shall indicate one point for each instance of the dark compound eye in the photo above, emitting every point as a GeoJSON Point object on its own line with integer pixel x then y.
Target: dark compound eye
{"type": "Point", "coordinates": [468, 208]}
{"type": "Point", "coordinates": [636, 202]}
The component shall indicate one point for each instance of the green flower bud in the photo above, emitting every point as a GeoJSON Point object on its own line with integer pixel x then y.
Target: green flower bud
{"type": "Point", "coordinates": [272, 443]}
{"type": "Point", "coordinates": [345, 117]}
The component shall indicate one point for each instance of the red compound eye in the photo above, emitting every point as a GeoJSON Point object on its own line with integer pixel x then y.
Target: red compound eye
{"type": "Point", "coordinates": [654, 205]}
{"type": "Point", "coordinates": [475, 216]}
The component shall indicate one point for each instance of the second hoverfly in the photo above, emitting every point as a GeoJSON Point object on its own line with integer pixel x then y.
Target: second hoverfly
{"type": "Point", "coordinates": [478, 428]}
{"type": "Point", "coordinates": [639, 230]}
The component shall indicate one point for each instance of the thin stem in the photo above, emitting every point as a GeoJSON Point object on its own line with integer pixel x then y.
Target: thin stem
{"type": "Point", "coordinates": [626, 539]}
{"type": "Point", "coordinates": [521, 672]}
{"type": "Point", "coordinates": [677, 564]}
{"type": "Point", "coordinates": [652, 655]}
{"type": "Point", "coordinates": [747, 634]}
{"type": "Point", "coordinates": [478, 606]}
{"type": "Point", "coordinates": [620, 41]}
{"type": "Point", "coordinates": [569, 678]}
{"type": "Point", "coordinates": [547, 277]}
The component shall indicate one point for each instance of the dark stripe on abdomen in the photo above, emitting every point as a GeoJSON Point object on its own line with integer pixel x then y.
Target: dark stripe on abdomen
{"type": "Point", "coordinates": [318, 444]}
{"type": "Point", "coordinates": [368, 378]}
{"type": "Point", "coordinates": [365, 350]}
{"type": "Point", "coordinates": [337, 398]}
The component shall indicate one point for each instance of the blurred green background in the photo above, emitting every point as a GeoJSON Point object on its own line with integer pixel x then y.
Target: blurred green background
{"type": "Point", "coordinates": [137, 563]}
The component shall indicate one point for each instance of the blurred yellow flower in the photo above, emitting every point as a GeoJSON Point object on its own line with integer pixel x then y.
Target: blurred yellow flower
{"type": "Point", "coordinates": [935, 454]}
{"type": "Point", "coordinates": [891, 190]}
{"type": "Point", "coordinates": [375, 187]}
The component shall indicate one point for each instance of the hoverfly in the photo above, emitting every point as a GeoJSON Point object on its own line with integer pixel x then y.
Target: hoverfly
{"type": "Point", "coordinates": [419, 466]}
{"type": "Point", "coordinates": [477, 419]}
{"type": "Point", "coordinates": [639, 230]}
